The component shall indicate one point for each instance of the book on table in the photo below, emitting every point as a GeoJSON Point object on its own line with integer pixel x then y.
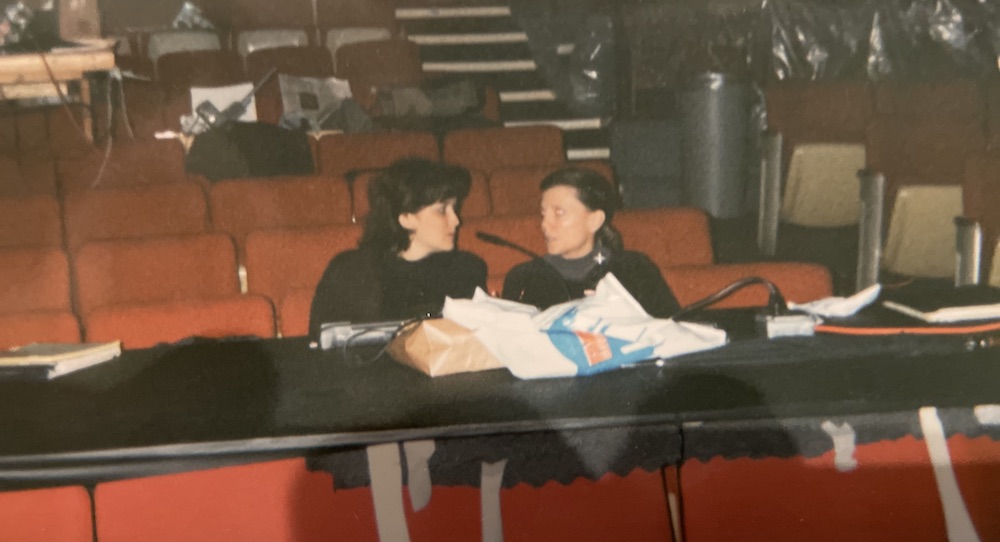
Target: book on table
{"type": "Point", "coordinates": [942, 305]}
{"type": "Point", "coordinates": [46, 361]}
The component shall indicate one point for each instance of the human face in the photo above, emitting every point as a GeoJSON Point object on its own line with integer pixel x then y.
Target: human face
{"type": "Point", "coordinates": [567, 224]}
{"type": "Point", "coordinates": [432, 229]}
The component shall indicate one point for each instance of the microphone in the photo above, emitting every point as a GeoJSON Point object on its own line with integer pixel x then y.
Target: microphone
{"type": "Point", "coordinates": [500, 241]}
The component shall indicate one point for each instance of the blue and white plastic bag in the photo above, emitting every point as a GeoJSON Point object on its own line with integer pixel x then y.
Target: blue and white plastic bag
{"type": "Point", "coordinates": [585, 336]}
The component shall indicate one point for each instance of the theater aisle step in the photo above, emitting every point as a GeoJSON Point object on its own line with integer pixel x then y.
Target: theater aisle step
{"type": "Point", "coordinates": [481, 40]}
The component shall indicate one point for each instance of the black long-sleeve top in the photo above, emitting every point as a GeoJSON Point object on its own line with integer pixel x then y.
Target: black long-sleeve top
{"type": "Point", "coordinates": [539, 283]}
{"type": "Point", "coordinates": [363, 285]}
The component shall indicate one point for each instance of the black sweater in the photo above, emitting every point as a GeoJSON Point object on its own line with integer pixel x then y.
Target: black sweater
{"type": "Point", "coordinates": [538, 283]}
{"type": "Point", "coordinates": [362, 285]}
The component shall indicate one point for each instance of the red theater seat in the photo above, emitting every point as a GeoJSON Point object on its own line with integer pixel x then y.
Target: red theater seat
{"type": "Point", "coordinates": [489, 149]}
{"type": "Point", "coordinates": [632, 507]}
{"type": "Point", "coordinates": [345, 13]}
{"type": "Point", "coordinates": [45, 515]}
{"type": "Point", "coordinates": [301, 61]}
{"type": "Point", "coordinates": [143, 113]}
{"type": "Point", "coordinates": [370, 65]}
{"type": "Point", "coordinates": [523, 230]}
{"type": "Point", "coordinates": [135, 212]}
{"type": "Point", "coordinates": [671, 237]}
{"type": "Point", "coordinates": [33, 279]}
{"type": "Point", "coordinates": [477, 204]}
{"type": "Point", "coordinates": [34, 297]}
{"type": "Point", "coordinates": [279, 261]}
{"type": "Point", "coordinates": [293, 312]}
{"type": "Point", "coordinates": [33, 133]}
{"type": "Point", "coordinates": [981, 200]}
{"type": "Point", "coordinates": [141, 326]}
{"type": "Point", "coordinates": [277, 501]}
{"type": "Point", "coordinates": [67, 134]}
{"type": "Point", "coordinates": [267, 14]}
{"type": "Point", "coordinates": [975, 463]}
{"type": "Point", "coordinates": [129, 164]}
{"type": "Point", "coordinates": [847, 107]}
{"type": "Point", "coordinates": [244, 205]}
{"type": "Point", "coordinates": [8, 129]}
{"type": "Point", "coordinates": [21, 328]}
{"type": "Point", "coordinates": [890, 495]}
{"type": "Point", "coordinates": [515, 190]}
{"type": "Point", "coordinates": [930, 151]}
{"type": "Point", "coordinates": [798, 282]}
{"type": "Point", "coordinates": [30, 221]}
{"type": "Point", "coordinates": [339, 153]}
{"type": "Point", "coordinates": [954, 101]}
{"type": "Point", "coordinates": [155, 270]}
{"type": "Point", "coordinates": [179, 71]}
{"type": "Point", "coordinates": [27, 176]}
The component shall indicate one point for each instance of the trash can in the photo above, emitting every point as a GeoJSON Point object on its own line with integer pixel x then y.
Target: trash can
{"type": "Point", "coordinates": [715, 119]}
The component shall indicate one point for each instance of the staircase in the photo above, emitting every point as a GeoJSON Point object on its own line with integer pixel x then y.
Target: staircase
{"type": "Point", "coordinates": [485, 44]}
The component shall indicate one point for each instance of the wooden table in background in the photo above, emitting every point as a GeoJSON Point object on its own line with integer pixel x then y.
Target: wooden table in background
{"type": "Point", "coordinates": [27, 75]}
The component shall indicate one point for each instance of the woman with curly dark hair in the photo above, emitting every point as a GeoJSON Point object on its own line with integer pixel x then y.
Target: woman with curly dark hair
{"type": "Point", "coordinates": [406, 263]}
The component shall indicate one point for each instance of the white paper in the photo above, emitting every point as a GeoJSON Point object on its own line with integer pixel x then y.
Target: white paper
{"type": "Point", "coordinates": [519, 336]}
{"type": "Point", "coordinates": [221, 98]}
{"type": "Point", "coordinates": [839, 307]}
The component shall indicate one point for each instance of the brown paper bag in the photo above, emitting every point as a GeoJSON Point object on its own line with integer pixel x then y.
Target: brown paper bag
{"type": "Point", "coordinates": [441, 347]}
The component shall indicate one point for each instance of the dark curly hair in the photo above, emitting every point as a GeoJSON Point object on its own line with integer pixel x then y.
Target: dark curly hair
{"type": "Point", "coordinates": [406, 186]}
{"type": "Point", "coordinates": [597, 194]}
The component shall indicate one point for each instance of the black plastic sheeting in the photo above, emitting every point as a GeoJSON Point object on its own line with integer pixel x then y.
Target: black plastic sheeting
{"type": "Point", "coordinates": [760, 39]}
{"type": "Point", "coordinates": [878, 40]}
{"type": "Point", "coordinates": [583, 78]}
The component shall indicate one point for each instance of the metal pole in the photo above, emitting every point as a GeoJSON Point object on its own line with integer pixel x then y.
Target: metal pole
{"type": "Point", "coordinates": [968, 250]}
{"type": "Point", "coordinates": [870, 227]}
{"type": "Point", "coordinates": [770, 193]}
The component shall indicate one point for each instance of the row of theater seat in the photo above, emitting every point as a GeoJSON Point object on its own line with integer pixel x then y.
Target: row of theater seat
{"type": "Point", "coordinates": [162, 289]}
{"type": "Point", "coordinates": [913, 133]}
{"type": "Point", "coordinates": [280, 501]}
{"type": "Point", "coordinates": [889, 493]}
{"type": "Point", "coordinates": [141, 109]}
{"type": "Point", "coordinates": [822, 193]}
{"type": "Point", "coordinates": [236, 207]}
{"type": "Point", "coordinates": [932, 138]}
{"type": "Point", "coordinates": [163, 161]}
{"type": "Point", "coordinates": [367, 66]}
{"type": "Point", "coordinates": [234, 17]}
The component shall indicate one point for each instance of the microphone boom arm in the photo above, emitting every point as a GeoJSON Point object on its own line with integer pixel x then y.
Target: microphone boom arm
{"type": "Point", "coordinates": [500, 241]}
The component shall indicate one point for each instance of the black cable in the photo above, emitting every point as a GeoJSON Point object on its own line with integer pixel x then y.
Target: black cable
{"type": "Point", "coordinates": [64, 101]}
{"type": "Point", "coordinates": [107, 149]}
{"type": "Point", "coordinates": [775, 303]}
{"type": "Point", "coordinates": [124, 110]}
{"type": "Point", "coordinates": [357, 360]}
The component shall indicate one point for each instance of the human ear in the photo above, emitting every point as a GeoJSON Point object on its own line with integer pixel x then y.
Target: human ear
{"type": "Point", "coordinates": [595, 219]}
{"type": "Point", "coordinates": [408, 221]}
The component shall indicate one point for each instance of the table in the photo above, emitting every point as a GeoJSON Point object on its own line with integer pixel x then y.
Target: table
{"type": "Point", "coordinates": [27, 75]}
{"type": "Point", "coordinates": [226, 399]}
{"type": "Point", "coordinates": [211, 403]}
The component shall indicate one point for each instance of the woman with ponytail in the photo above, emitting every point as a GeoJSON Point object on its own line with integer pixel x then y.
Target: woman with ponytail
{"type": "Point", "coordinates": [582, 246]}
